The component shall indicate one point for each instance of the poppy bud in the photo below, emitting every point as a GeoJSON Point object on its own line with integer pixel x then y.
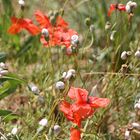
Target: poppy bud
{"type": "Point", "coordinates": [107, 25]}
{"type": "Point", "coordinates": [14, 131]}
{"type": "Point", "coordinates": [112, 35]}
{"type": "Point", "coordinates": [43, 122]}
{"type": "Point", "coordinates": [88, 21]}
{"type": "Point", "coordinates": [56, 13]}
{"type": "Point", "coordinates": [41, 99]}
{"type": "Point", "coordinates": [124, 55]}
{"type": "Point", "coordinates": [33, 88]}
{"type": "Point", "coordinates": [127, 134]}
{"type": "Point", "coordinates": [60, 85]}
{"type": "Point", "coordinates": [45, 32]}
{"type": "Point", "coordinates": [50, 13]}
{"type": "Point", "coordinates": [91, 28]}
{"type": "Point", "coordinates": [53, 19]}
{"type": "Point", "coordinates": [57, 129]}
{"type": "Point", "coordinates": [61, 11]}
{"type": "Point", "coordinates": [74, 39]}
{"type": "Point", "coordinates": [124, 68]}
{"type": "Point", "coordinates": [137, 53]}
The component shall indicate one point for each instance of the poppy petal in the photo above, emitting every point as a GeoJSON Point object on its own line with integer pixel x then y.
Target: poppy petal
{"type": "Point", "coordinates": [111, 9]}
{"type": "Point", "coordinates": [65, 107]}
{"type": "Point", "coordinates": [61, 22]}
{"type": "Point", "coordinates": [96, 102]}
{"type": "Point", "coordinates": [33, 29]}
{"type": "Point", "coordinates": [14, 29]}
{"type": "Point", "coordinates": [81, 111]}
{"type": "Point", "coordinates": [80, 95]}
{"type": "Point", "coordinates": [42, 19]}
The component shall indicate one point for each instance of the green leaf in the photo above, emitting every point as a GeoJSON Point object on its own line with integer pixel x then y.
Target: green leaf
{"type": "Point", "coordinates": [7, 88]}
{"type": "Point", "coordinates": [10, 117]}
{"type": "Point", "coordinates": [2, 56]}
{"type": "Point", "coordinates": [4, 112]}
{"type": "Point", "coordinates": [14, 77]}
{"type": "Point", "coordinates": [7, 115]}
{"type": "Point", "coordinates": [9, 83]}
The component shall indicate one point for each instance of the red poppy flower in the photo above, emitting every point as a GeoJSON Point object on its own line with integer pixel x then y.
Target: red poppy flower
{"type": "Point", "coordinates": [82, 107]}
{"type": "Point", "coordinates": [19, 24]}
{"type": "Point", "coordinates": [114, 7]}
{"type": "Point", "coordinates": [59, 33]}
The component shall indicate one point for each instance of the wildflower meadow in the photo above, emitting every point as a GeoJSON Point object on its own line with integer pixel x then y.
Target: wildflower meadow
{"type": "Point", "coordinates": [69, 70]}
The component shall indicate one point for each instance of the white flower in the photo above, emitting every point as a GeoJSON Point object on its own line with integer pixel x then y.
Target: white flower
{"type": "Point", "coordinates": [74, 39]}
{"type": "Point", "coordinates": [21, 2]}
{"type": "Point", "coordinates": [14, 131]}
{"type": "Point", "coordinates": [124, 55]}
{"type": "Point", "coordinates": [127, 134]}
{"type": "Point", "coordinates": [60, 85]}
{"type": "Point", "coordinates": [33, 88]}
{"type": "Point", "coordinates": [57, 129]}
{"type": "Point", "coordinates": [45, 32]}
{"type": "Point", "coordinates": [137, 53]}
{"type": "Point", "coordinates": [43, 122]}
{"type": "Point", "coordinates": [136, 125]}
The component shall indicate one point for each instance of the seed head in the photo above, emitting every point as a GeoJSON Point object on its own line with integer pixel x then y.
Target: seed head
{"type": "Point", "coordinates": [43, 122]}
{"type": "Point", "coordinates": [33, 88]}
{"type": "Point", "coordinates": [124, 55]}
{"type": "Point", "coordinates": [45, 32]}
{"type": "Point", "coordinates": [137, 53]}
{"type": "Point", "coordinates": [92, 28]}
{"type": "Point", "coordinates": [107, 25]}
{"type": "Point", "coordinates": [74, 40]}
{"type": "Point", "coordinates": [60, 85]}
{"type": "Point", "coordinates": [56, 129]}
{"type": "Point", "coordinates": [14, 131]}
